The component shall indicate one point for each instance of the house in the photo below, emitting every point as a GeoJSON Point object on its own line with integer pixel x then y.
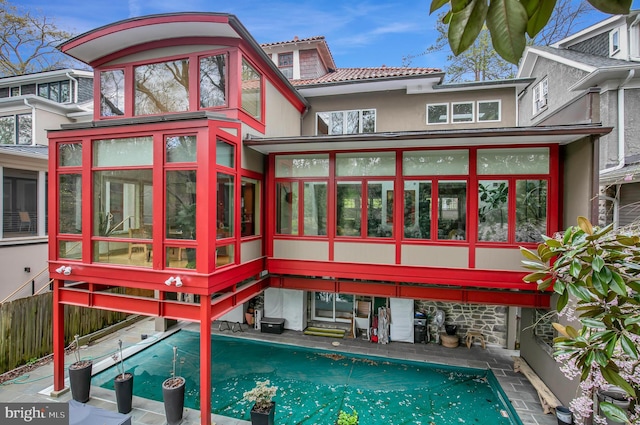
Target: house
{"type": "Point", "coordinates": [29, 106]}
{"type": "Point", "coordinates": [216, 169]}
{"type": "Point", "coordinates": [590, 77]}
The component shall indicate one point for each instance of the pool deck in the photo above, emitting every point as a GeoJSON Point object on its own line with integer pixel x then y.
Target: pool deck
{"type": "Point", "coordinates": [35, 386]}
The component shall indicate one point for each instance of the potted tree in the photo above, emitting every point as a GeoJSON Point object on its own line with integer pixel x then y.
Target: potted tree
{"type": "Point", "coordinates": [264, 408]}
{"type": "Point", "coordinates": [173, 394]}
{"type": "Point", "coordinates": [345, 418]}
{"type": "Point", "coordinates": [123, 383]}
{"type": "Point", "coordinates": [80, 375]}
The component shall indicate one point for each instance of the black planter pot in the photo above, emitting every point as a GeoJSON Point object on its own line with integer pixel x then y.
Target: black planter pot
{"type": "Point", "coordinates": [259, 417]}
{"type": "Point", "coordinates": [451, 329]}
{"type": "Point", "coordinates": [124, 392]}
{"type": "Point", "coordinates": [173, 396]}
{"type": "Point", "coordinates": [80, 380]}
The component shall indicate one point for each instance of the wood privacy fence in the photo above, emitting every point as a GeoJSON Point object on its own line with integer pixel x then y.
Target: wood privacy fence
{"type": "Point", "coordinates": [26, 331]}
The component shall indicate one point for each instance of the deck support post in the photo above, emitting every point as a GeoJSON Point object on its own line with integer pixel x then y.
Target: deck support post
{"type": "Point", "coordinates": [58, 338]}
{"type": "Point", "coordinates": [205, 359]}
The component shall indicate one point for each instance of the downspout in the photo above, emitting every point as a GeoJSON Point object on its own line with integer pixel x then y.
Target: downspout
{"type": "Point", "coordinates": [621, 154]}
{"type": "Point", "coordinates": [33, 121]}
{"type": "Point", "coordinates": [76, 84]}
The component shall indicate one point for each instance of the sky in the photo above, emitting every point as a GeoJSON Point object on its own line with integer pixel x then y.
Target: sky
{"type": "Point", "coordinates": [360, 33]}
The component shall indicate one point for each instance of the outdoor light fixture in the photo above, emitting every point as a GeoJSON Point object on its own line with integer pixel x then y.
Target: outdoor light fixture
{"type": "Point", "coordinates": [169, 281]}
{"type": "Point", "coordinates": [65, 270]}
{"type": "Point", "coordinates": [178, 281]}
{"type": "Point", "coordinates": [60, 269]}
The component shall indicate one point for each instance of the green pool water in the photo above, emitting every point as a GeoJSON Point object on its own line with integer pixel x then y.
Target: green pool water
{"type": "Point", "coordinates": [314, 385]}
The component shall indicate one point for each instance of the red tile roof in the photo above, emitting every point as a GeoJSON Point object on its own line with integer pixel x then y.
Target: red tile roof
{"type": "Point", "coordinates": [295, 40]}
{"type": "Point", "coordinates": [358, 74]}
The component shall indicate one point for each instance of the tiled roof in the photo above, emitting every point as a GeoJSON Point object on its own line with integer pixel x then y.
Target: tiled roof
{"type": "Point", "coordinates": [585, 58]}
{"type": "Point", "coordinates": [295, 40]}
{"type": "Point", "coordinates": [359, 74]}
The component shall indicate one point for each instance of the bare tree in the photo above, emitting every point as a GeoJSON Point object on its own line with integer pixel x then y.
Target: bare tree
{"type": "Point", "coordinates": [28, 41]}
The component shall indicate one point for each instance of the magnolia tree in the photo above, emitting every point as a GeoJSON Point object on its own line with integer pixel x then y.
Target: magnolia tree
{"type": "Point", "coordinates": [596, 274]}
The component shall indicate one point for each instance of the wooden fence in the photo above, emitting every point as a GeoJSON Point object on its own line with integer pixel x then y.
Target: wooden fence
{"type": "Point", "coordinates": [26, 331]}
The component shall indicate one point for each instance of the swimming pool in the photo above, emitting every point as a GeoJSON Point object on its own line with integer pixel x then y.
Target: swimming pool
{"type": "Point", "coordinates": [314, 385]}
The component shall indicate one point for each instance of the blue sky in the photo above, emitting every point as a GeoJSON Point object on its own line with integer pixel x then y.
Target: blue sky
{"type": "Point", "coordinates": [360, 33]}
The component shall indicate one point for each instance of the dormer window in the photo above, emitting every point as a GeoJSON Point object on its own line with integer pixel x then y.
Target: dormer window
{"type": "Point", "coordinates": [212, 81]}
{"type": "Point", "coordinates": [14, 91]}
{"type": "Point", "coordinates": [540, 94]}
{"type": "Point", "coordinates": [285, 63]}
{"type": "Point", "coordinates": [614, 42]}
{"type": "Point", "coordinates": [57, 91]}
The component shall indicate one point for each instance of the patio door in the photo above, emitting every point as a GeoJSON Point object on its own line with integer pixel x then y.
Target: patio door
{"type": "Point", "coordinates": [331, 307]}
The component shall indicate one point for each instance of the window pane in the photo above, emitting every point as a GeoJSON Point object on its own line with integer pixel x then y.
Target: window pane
{"type": "Point", "coordinates": [287, 208]}
{"type": "Point", "coordinates": [417, 209]}
{"type": "Point", "coordinates": [112, 93]}
{"type": "Point", "coordinates": [366, 164]}
{"type": "Point", "coordinates": [349, 209]}
{"type": "Point", "coordinates": [64, 92]}
{"type": "Point", "coordinates": [43, 90]}
{"type": "Point", "coordinates": [251, 90]}
{"type": "Point", "coordinates": [212, 81]}
{"type": "Point", "coordinates": [513, 161]}
{"type": "Point", "coordinates": [20, 202]}
{"type": "Point", "coordinates": [115, 252]}
{"type": "Point", "coordinates": [452, 210]}
{"type": "Point", "coordinates": [24, 129]}
{"type": "Point", "coordinates": [181, 204]}
{"type": "Point", "coordinates": [323, 119]}
{"type": "Point", "coordinates": [162, 87]}
{"type": "Point", "coordinates": [70, 207]}
{"type": "Point", "coordinates": [225, 197]}
{"type": "Point", "coordinates": [337, 123]}
{"type": "Point", "coordinates": [180, 257]}
{"type": "Point", "coordinates": [120, 201]}
{"type": "Point", "coordinates": [315, 165]}
{"type": "Point", "coordinates": [70, 249]}
{"type": "Point", "coordinates": [224, 255]}
{"type": "Point", "coordinates": [250, 203]}
{"type": "Point", "coordinates": [315, 208]}
{"type": "Point", "coordinates": [489, 111]}
{"type": "Point", "coordinates": [225, 154]}
{"type": "Point", "coordinates": [70, 154]}
{"type": "Point", "coordinates": [448, 162]}
{"type": "Point", "coordinates": [353, 122]}
{"type": "Point", "coordinates": [54, 91]}
{"type": "Point", "coordinates": [437, 114]}
{"type": "Point", "coordinates": [531, 210]}
{"type": "Point", "coordinates": [181, 148]}
{"type": "Point", "coordinates": [8, 130]}
{"type": "Point", "coordinates": [493, 213]}
{"type": "Point", "coordinates": [369, 121]}
{"type": "Point", "coordinates": [380, 209]}
{"type": "Point", "coordinates": [462, 112]}
{"type": "Point", "coordinates": [121, 152]}
{"type": "Point", "coordinates": [323, 305]}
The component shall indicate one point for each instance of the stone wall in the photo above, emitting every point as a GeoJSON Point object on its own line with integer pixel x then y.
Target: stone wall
{"type": "Point", "coordinates": [491, 320]}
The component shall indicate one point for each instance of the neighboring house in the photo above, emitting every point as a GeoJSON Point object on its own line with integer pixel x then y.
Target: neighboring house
{"type": "Point", "coordinates": [590, 77]}
{"type": "Point", "coordinates": [29, 106]}
{"type": "Point", "coordinates": [215, 169]}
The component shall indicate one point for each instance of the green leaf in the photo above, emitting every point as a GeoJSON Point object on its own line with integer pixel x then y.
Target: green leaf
{"type": "Point", "coordinates": [597, 263]}
{"type": "Point", "coordinates": [575, 267]}
{"type": "Point", "coordinates": [614, 412]}
{"type": "Point", "coordinates": [559, 287]}
{"type": "Point", "coordinates": [579, 291]}
{"type": "Point", "coordinates": [585, 224]}
{"type": "Point", "coordinates": [534, 277]}
{"type": "Point", "coordinates": [615, 7]}
{"type": "Point", "coordinates": [571, 331]}
{"type": "Point", "coordinates": [465, 25]}
{"type": "Point", "coordinates": [507, 23]}
{"type": "Point", "coordinates": [550, 242]}
{"type": "Point", "coordinates": [437, 4]}
{"type": "Point", "coordinates": [539, 19]}
{"type": "Point", "coordinates": [614, 378]}
{"type": "Point", "coordinates": [629, 347]}
{"type": "Point", "coordinates": [592, 323]}
{"type": "Point", "coordinates": [567, 236]}
{"type": "Point", "coordinates": [605, 275]}
{"type": "Point", "coordinates": [545, 284]}
{"type": "Point", "coordinates": [631, 320]}
{"type": "Point", "coordinates": [598, 285]}
{"type": "Point", "coordinates": [618, 286]}
{"type": "Point", "coordinates": [611, 345]}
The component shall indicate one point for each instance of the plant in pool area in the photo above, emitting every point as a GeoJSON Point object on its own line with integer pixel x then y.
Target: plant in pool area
{"type": "Point", "coordinates": [262, 394]}
{"type": "Point", "coordinates": [599, 268]}
{"type": "Point", "coordinates": [79, 363]}
{"type": "Point", "coordinates": [119, 359]}
{"type": "Point", "coordinates": [345, 418]}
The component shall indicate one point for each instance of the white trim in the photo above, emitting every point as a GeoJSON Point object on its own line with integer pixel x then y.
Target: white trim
{"type": "Point", "coordinates": [473, 112]}
{"type": "Point", "coordinates": [446, 121]}
{"type": "Point", "coordinates": [344, 120]}
{"type": "Point", "coordinates": [613, 49]}
{"type": "Point", "coordinates": [499, 101]}
{"type": "Point", "coordinates": [539, 98]}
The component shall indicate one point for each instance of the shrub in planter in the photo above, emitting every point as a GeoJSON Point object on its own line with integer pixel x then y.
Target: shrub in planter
{"type": "Point", "coordinates": [80, 375]}
{"type": "Point", "coordinates": [173, 394]}
{"type": "Point", "coordinates": [122, 383]}
{"type": "Point", "coordinates": [345, 418]}
{"type": "Point", "coordinates": [263, 410]}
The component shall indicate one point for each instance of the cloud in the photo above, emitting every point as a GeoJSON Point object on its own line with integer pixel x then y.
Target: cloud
{"type": "Point", "coordinates": [134, 8]}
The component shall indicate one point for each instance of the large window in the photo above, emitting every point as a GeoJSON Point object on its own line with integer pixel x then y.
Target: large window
{"type": "Point", "coordinates": [19, 203]}
{"type": "Point", "coordinates": [251, 90]}
{"type": "Point", "coordinates": [250, 205]}
{"type": "Point", "coordinates": [57, 91]}
{"type": "Point", "coordinates": [112, 93]}
{"type": "Point", "coordinates": [285, 64]}
{"type": "Point", "coordinates": [438, 113]}
{"type": "Point", "coordinates": [489, 110]}
{"type": "Point", "coordinates": [162, 87]}
{"type": "Point", "coordinates": [16, 129]}
{"type": "Point", "coordinates": [213, 81]}
{"type": "Point", "coordinates": [346, 122]}
{"type": "Point", "coordinates": [332, 307]}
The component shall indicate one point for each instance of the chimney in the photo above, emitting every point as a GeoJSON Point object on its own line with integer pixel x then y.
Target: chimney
{"type": "Point", "coordinates": [295, 38]}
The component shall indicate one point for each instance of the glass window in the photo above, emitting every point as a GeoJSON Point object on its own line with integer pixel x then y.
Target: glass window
{"type": "Point", "coordinates": [417, 209]}
{"type": "Point", "coordinates": [251, 90]}
{"type": "Point", "coordinates": [14, 91]}
{"type": "Point", "coordinates": [315, 208]}
{"type": "Point", "coordinates": [70, 207]}
{"type": "Point", "coordinates": [123, 204]}
{"type": "Point", "coordinates": [452, 208]}
{"type": "Point", "coordinates": [8, 130]}
{"type": "Point", "coordinates": [462, 112]}
{"type": "Point", "coordinates": [531, 210]}
{"type": "Point", "coordinates": [212, 81]}
{"type": "Point", "coordinates": [250, 204]}
{"type": "Point", "coordinates": [438, 113]}
{"type": "Point", "coordinates": [493, 212]}
{"type": "Point", "coordinates": [181, 148]}
{"type": "Point", "coordinates": [225, 200]}
{"type": "Point", "coordinates": [19, 203]}
{"type": "Point", "coordinates": [112, 93]}
{"type": "Point", "coordinates": [225, 154]}
{"type": "Point", "coordinates": [540, 95]}
{"type": "Point", "coordinates": [70, 154]}
{"type": "Point", "coordinates": [181, 204]}
{"type": "Point", "coordinates": [349, 209]}
{"type": "Point", "coordinates": [346, 122]}
{"type": "Point", "coordinates": [285, 63]}
{"type": "Point", "coordinates": [513, 161]}
{"type": "Point", "coordinates": [224, 255]}
{"type": "Point", "coordinates": [489, 111]}
{"type": "Point", "coordinates": [71, 250]}
{"type": "Point", "coordinates": [328, 306]}
{"type": "Point", "coordinates": [287, 208]}
{"type": "Point", "coordinates": [162, 87]}
{"type": "Point", "coordinates": [16, 129]}
{"type": "Point", "coordinates": [614, 41]}
{"type": "Point", "coordinates": [380, 209]}
{"type": "Point", "coordinates": [366, 164]}
{"type": "Point", "coordinates": [57, 91]}
{"type": "Point", "coordinates": [24, 129]}
{"type": "Point", "coordinates": [123, 152]}
{"type": "Point", "coordinates": [180, 257]}
{"type": "Point", "coordinates": [437, 162]}
{"type": "Point", "coordinates": [315, 165]}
